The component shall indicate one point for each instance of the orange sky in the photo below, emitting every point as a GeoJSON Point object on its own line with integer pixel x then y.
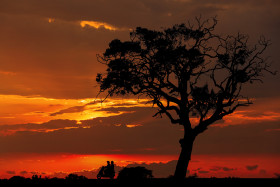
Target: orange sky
{"type": "Point", "coordinates": [50, 121]}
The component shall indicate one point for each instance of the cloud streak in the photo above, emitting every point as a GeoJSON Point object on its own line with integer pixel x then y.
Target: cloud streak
{"type": "Point", "coordinates": [251, 168]}
{"type": "Point", "coordinates": [100, 25]}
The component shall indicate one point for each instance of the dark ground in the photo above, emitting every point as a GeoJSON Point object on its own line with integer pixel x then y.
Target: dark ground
{"type": "Point", "coordinates": [216, 182]}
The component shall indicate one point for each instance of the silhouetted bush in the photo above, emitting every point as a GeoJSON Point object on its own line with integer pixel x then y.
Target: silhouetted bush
{"type": "Point", "coordinates": [75, 177]}
{"type": "Point", "coordinates": [277, 175]}
{"type": "Point", "coordinates": [135, 173]}
{"type": "Point", "coordinates": [18, 180]}
{"type": "Point", "coordinates": [194, 176]}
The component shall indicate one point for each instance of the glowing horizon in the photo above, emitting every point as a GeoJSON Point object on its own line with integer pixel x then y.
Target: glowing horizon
{"type": "Point", "coordinates": [205, 166]}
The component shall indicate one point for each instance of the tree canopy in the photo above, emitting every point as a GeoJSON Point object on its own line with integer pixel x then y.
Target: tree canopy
{"type": "Point", "coordinates": [186, 70]}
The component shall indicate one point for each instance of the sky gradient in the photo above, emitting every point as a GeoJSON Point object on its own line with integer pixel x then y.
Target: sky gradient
{"type": "Point", "coordinates": [49, 114]}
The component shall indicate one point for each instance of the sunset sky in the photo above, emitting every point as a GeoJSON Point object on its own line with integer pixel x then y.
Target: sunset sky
{"type": "Point", "coordinates": [52, 124]}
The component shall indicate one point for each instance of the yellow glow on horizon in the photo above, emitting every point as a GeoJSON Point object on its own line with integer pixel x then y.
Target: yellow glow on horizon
{"type": "Point", "coordinates": [16, 109]}
{"type": "Point", "coordinates": [94, 109]}
{"type": "Point", "coordinates": [86, 115]}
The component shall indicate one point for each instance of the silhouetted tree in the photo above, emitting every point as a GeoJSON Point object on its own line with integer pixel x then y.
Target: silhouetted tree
{"type": "Point", "coordinates": [135, 173]}
{"type": "Point", "coordinates": [75, 177]}
{"type": "Point", "coordinates": [192, 75]}
{"type": "Point", "coordinates": [36, 177]}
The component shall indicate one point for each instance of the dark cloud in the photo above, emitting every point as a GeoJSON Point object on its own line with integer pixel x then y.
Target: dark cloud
{"type": "Point", "coordinates": [128, 104]}
{"type": "Point", "coordinates": [139, 115]}
{"type": "Point", "coordinates": [216, 168]}
{"type": "Point", "coordinates": [115, 109]}
{"type": "Point", "coordinates": [228, 169]}
{"type": "Point", "coordinates": [23, 172]}
{"type": "Point", "coordinates": [251, 168]}
{"type": "Point", "coordinates": [11, 172]}
{"type": "Point", "coordinates": [69, 110]}
{"type": "Point", "coordinates": [35, 173]}
{"type": "Point", "coordinates": [224, 168]}
{"type": "Point", "coordinates": [36, 128]}
{"type": "Point", "coordinates": [203, 172]}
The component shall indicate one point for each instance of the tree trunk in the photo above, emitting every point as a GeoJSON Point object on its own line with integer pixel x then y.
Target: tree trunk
{"type": "Point", "coordinates": [184, 158]}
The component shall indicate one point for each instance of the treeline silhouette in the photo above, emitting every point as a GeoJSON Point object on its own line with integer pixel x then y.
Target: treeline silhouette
{"type": "Point", "coordinates": [136, 176]}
